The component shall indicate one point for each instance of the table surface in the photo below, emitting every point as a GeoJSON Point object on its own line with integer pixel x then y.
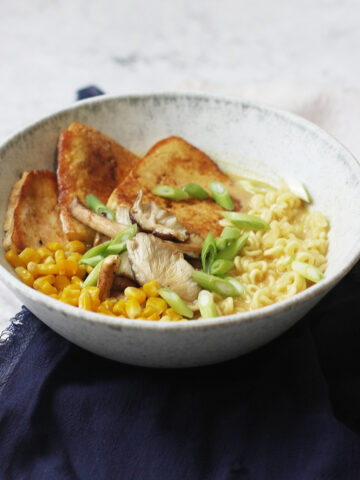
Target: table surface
{"type": "Point", "coordinates": [51, 48]}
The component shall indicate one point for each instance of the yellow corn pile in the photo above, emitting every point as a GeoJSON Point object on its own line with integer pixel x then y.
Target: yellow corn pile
{"type": "Point", "coordinates": [55, 271]}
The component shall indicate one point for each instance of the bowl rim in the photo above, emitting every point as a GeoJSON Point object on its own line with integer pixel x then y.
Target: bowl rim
{"type": "Point", "coordinates": [316, 290]}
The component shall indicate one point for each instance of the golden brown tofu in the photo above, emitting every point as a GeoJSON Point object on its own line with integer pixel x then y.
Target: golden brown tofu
{"type": "Point", "coordinates": [33, 215]}
{"type": "Point", "coordinates": [175, 162]}
{"type": "Point", "coordinates": [88, 162]}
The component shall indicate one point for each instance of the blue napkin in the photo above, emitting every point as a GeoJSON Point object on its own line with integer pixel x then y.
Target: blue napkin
{"type": "Point", "coordinates": [290, 410]}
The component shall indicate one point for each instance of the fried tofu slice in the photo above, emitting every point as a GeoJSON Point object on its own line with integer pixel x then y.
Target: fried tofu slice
{"type": "Point", "coordinates": [33, 215]}
{"type": "Point", "coordinates": [88, 162]}
{"type": "Point", "coordinates": [175, 162]}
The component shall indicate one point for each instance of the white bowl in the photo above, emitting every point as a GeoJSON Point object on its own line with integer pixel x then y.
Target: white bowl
{"type": "Point", "coordinates": [250, 138]}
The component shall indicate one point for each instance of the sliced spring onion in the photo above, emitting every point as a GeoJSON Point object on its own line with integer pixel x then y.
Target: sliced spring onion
{"type": "Point", "coordinates": [239, 286]}
{"type": "Point", "coordinates": [233, 248]}
{"type": "Point", "coordinates": [243, 220]}
{"type": "Point", "coordinates": [92, 278]}
{"type": "Point", "coordinates": [220, 195]}
{"type": "Point", "coordinates": [175, 302]}
{"type": "Point", "coordinates": [116, 248]}
{"type": "Point", "coordinates": [230, 233]}
{"type": "Point", "coordinates": [171, 193]}
{"type": "Point", "coordinates": [220, 266]}
{"type": "Point", "coordinates": [298, 189]}
{"type": "Point", "coordinates": [195, 191]}
{"type": "Point", "coordinates": [221, 243]}
{"type": "Point", "coordinates": [215, 284]}
{"type": "Point", "coordinates": [208, 252]}
{"type": "Point", "coordinates": [98, 207]}
{"type": "Point", "coordinates": [307, 271]}
{"type": "Point", "coordinates": [207, 306]}
{"type": "Point", "coordinates": [254, 186]}
{"type": "Point", "coordinates": [98, 250]}
{"type": "Point", "coordinates": [92, 261]}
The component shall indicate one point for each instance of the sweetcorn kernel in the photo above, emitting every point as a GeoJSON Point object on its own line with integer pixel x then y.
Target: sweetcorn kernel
{"type": "Point", "coordinates": [119, 307]}
{"type": "Point", "coordinates": [59, 255]}
{"type": "Point", "coordinates": [47, 269]}
{"type": "Point", "coordinates": [29, 255]}
{"type": "Point", "coordinates": [43, 252]}
{"type": "Point", "coordinates": [132, 308]}
{"type": "Point", "coordinates": [48, 260]}
{"type": "Point", "coordinates": [61, 281]}
{"type": "Point", "coordinates": [76, 280]}
{"type": "Point", "coordinates": [89, 269]}
{"type": "Point", "coordinates": [53, 246]}
{"type": "Point", "coordinates": [151, 288]}
{"type": "Point", "coordinates": [47, 288]}
{"type": "Point", "coordinates": [39, 282]}
{"type": "Point", "coordinates": [81, 272]}
{"type": "Point", "coordinates": [75, 257]}
{"type": "Point", "coordinates": [25, 276]}
{"type": "Point", "coordinates": [174, 316]}
{"type": "Point", "coordinates": [13, 258]}
{"type": "Point", "coordinates": [68, 267]}
{"type": "Point", "coordinates": [104, 310]}
{"type": "Point", "coordinates": [85, 301]}
{"type": "Point", "coordinates": [147, 312]}
{"type": "Point", "coordinates": [75, 246]}
{"type": "Point", "coordinates": [157, 304]}
{"type": "Point", "coordinates": [135, 293]}
{"type": "Point", "coordinates": [109, 303]}
{"type": "Point", "coordinates": [74, 301]}
{"type": "Point", "coordinates": [94, 292]}
{"type": "Point", "coordinates": [154, 316]}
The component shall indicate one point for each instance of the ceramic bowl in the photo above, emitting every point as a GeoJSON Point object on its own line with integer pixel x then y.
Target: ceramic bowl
{"type": "Point", "coordinates": [245, 138]}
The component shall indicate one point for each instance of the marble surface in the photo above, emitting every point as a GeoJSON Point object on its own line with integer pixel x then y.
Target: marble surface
{"type": "Point", "coordinates": [257, 49]}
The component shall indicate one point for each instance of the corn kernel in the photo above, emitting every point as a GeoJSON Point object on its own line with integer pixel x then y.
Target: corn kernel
{"type": "Point", "coordinates": [154, 316]}
{"type": "Point", "coordinates": [43, 252]}
{"type": "Point", "coordinates": [104, 311]}
{"type": "Point", "coordinates": [13, 258]}
{"type": "Point", "coordinates": [76, 280]}
{"type": "Point", "coordinates": [147, 312]}
{"type": "Point", "coordinates": [68, 267]}
{"type": "Point", "coordinates": [72, 288]}
{"type": "Point", "coordinates": [89, 269]}
{"type": "Point", "coordinates": [53, 246]}
{"type": "Point", "coordinates": [48, 260]}
{"type": "Point", "coordinates": [132, 308]}
{"type": "Point", "coordinates": [119, 307]}
{"type": "Point", "coordinates": [75, 257]}
{"type": "Point", "coordinates": [109, 303]}
{"type": "Point", "coordinates": [61, 281]}
{"type": "Point", "coordinates": [47, 288]}
{"type": "Point", "coordinates": [174, 316]}
{"type": "Point", "coordinates": [151, 288]}
{"type": "Point", "coordinates": [59, 255]}
{"type": "Point", "coordinates": [54, 295]}
{"type": "Point", "coordinates": [29, 255]}
{"type": "Point", "coordinates": [82, 272]}
{"type": "Point", "coordinates": [157, 304]}
{"type": "Point", "coordinates": [94, 292]}
{"type": "Point", "coordinates": [38, 283]}
{"type": "Point", "coordinates": [25, 276]}
{"type": "Point", "coordinates": [75, 246]}
{"type": "Point", "coordinates": [47, 269]}
{"type": "Point", "coordinates": [133, 293]}
{"type": "Point", "coordinates": [69, 300]}
{"type": "Point", "coordinates": [85, 301]}
{"type": "Point", "coordinates": [32, 268]}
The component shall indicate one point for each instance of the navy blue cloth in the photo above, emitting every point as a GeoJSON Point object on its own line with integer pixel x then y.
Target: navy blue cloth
{"type": "Point", "coordinates": [87, 92]}
{"type": "Point", "coordinates": [288, 411]}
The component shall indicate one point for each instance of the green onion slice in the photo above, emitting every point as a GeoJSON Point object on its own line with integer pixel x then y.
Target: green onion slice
{"type": "Point", "coordinates": [230, 233]}
{"type": "Point", "coordinates": [116, 248]}
{"type": "Point", "coordinates": [98, 207]}
{"type": "Point", "coordinates": [195, 191]}
{"type": "Point", "coordinates": [175, 302]}
{"type": "Point", "coordinates": [207, 306]}
{"type": "Point", "coordinates": [307, 271]}
{"type": "Point", "coordinates": [239, 286]}
{"type": "Point", "coordinates": [221, 243]}
{"type": "Point", "coordinates": [298, 189]}
{"type": "Point", "coordinates": [215, 284]}
{"type": "Point", "coordinates": [254, 186]}
{"type": "Point", "coordinates": [233, 249]}
{"type": "Point", "coordinates": [98, 250]}
{"type": "Point", "coordinates": [92, 278]}
{"type": "Point", "coordinates": [220, 266]}
{"type": "Point", "coordinates": [220, 195]}
{"type": "Point", "coordinates": [92, 261]}
{"type": "Point", "coordinates": [171, 193]}
{"type": "Point", "coordinates": [208, 252]}
{"type": "Point", "coordinates": [245, 221]}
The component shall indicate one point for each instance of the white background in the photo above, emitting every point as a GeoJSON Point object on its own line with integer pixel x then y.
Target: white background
{"type": "Point", "coordinates": [51, 48]}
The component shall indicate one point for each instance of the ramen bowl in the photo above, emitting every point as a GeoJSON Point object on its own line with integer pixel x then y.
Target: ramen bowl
{"type": "Point", "coordinates": [244, 138]}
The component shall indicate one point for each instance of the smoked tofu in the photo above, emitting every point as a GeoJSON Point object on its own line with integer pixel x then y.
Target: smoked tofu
{"type": "Point", "coordinates": [175, 162]}
{"type": "Point", "coordinates": [88, 162]}
{"type": "Point", "coordinates": [33, 215]}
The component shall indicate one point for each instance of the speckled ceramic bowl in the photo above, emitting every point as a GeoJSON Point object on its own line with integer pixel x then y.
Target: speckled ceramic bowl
{"type": "Point", "coordinates": [247, 138]}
